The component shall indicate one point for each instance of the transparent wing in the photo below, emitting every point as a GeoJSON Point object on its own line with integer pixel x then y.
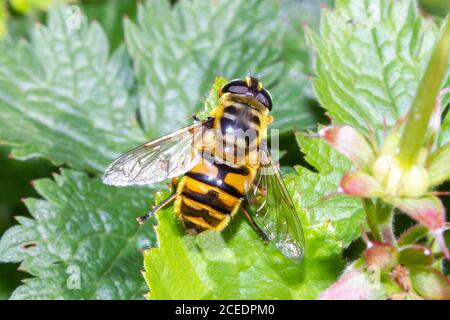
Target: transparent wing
{"type": "Point", "coordinates": [167, 157]}
{"type": "Point", "coordinates": [273, 210]}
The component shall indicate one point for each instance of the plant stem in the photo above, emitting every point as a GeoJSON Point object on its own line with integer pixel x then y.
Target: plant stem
{"type": "Point", "coordinates": [372, 218]}
{"type": "Point", "coordinates": [384, 214]}
{"type": "Point", "coordinates": [422, 107]}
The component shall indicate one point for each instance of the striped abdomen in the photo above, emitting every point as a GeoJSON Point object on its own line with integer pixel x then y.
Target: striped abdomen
{"type": "Point", "coordinates": [210, 194]}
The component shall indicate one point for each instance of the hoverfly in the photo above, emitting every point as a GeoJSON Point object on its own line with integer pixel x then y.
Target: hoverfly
{"type": "Point", "coordinates": [225, 166]}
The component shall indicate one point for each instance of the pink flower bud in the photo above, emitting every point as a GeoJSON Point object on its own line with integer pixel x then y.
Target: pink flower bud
{"type": "Point", "coordinates": [381, 255]}
{"type": "Point", "coordinates": [350, 143]}
{"type": "Point", "coordinates": [360, 184]}
{"type": "Point", "coordinates": [428, 210]}
{"type": "Point", "coordinates": [352, 285]}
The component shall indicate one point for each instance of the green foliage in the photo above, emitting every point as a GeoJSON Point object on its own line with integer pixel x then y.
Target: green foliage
{"type": "Point", "coordinates": [71, 97]}
{"type": "Point", "coordinates": [14, 185]}
{"type": "Point", "coordinates": [370, 58]}
{"type": "Point", "coordinates": [343, 214]}
{"type": "Point", "coordinates": [298, 14]}
{"type": "Point", "coordinates": [81, 228]}
{"type": "Point", "coordinates": [64, 98]}
{"type": "Point", "coordinates": [179, 51]}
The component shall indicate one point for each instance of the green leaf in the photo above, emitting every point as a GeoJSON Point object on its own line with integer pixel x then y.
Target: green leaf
{"type": "Point", "coordinates": [15, 179]}
{"type": "Point", "coordinates": [178, 51]}
{"type": "Point", "coordinates": [297, 14]}
{"type": "Point", "coordinates": [236, 264]}
{"type": "Point", "coordinates": [295, 89]}
{"type": "Point", "coordinates": [370, 57]}
{"type": "Point", "coordinates": [293, 108]}
{"type": "Point", "coordinates": [344, 214]}
{"type": "Point", "coordinates": [82, 242]}
{"type": "Point", "coordinates": [62, 97]}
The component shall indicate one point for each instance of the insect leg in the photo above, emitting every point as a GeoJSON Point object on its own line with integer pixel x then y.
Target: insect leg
{"type": "Point", "coordinates": [195, 117]}
{"type": "Point", "coordinates": [261, 233]}
{"type": "Point", "coordinates": [166, 201]}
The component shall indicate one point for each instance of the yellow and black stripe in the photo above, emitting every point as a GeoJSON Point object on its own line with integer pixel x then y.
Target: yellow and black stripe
{"type": "Point", "coordinates": [210, 194]}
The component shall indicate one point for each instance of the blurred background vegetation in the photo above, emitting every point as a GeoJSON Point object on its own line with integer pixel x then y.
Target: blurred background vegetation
{"type": "Point", "coordinates": [18, 16]}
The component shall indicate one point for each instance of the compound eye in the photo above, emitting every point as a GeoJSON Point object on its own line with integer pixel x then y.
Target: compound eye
{"type": "Point", "coordinates": [236, 86]}
{"type": "Point", "coordinates": [265, 98]}
{"type": "Point", "coordinates": [241, 87]}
